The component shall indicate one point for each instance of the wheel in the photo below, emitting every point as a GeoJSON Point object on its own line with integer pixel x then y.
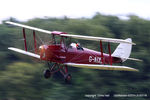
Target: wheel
{"type": "Point", "coordinates": [47, 73]}
{"type": "Point", "coordinates": [68, 78]}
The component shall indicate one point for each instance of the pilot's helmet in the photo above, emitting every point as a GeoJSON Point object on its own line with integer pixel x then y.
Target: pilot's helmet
{"type": "Point", "coordinates": [77, 44]}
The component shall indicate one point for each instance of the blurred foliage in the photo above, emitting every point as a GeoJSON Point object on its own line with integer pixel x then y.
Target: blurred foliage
{"type": "Point", "coordinates": [21, 77]}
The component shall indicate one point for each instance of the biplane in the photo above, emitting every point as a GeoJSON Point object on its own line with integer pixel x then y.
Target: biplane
{"type": "Point", "coordinates": [63, 56]}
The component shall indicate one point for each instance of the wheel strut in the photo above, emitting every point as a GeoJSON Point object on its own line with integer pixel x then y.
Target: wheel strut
{"type": "Point", "coordinates": [62, 69]}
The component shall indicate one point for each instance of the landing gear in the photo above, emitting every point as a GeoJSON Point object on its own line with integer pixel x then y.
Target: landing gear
{"type": "Point", "coordinates": [67, 78]}
{"type": "Point", "coordinates": [57, 68]}
{"type": "Point", "coordinates": [47, 73]}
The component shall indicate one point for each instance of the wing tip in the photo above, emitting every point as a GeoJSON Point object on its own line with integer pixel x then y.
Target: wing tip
{"type": "Point", "coordinates": [10, 48]}
{"type": "Point", "coordinates": [8, 22]}
{"type": "Point", "coordinates": [24, 52]}
{"type": "Point", "coordinates": [135, 70]}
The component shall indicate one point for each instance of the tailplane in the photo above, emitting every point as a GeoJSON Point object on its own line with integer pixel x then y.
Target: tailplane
{"type": "Point", "coordinates": [123, 51]}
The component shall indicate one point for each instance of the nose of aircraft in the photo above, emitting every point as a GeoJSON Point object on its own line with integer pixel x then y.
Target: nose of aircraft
{"type": "Point", "coordinates": [45, 52]}
{"type": "Point", "coordinates": [42, 50]}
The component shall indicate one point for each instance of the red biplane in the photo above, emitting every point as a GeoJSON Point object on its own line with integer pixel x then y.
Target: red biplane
{"type": "Point", "coordinates": [74, 55]}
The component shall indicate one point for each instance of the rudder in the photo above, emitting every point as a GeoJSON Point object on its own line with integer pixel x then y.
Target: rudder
{"type": "Point", "coordinates": [123, 50]}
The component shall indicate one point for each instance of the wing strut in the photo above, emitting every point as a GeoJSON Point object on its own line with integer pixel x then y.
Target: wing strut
{"type": "Point", "coordinates": [101, 48]}
{"type": "Point", "coordinates": [24, 36]}
{"type": "Point", "coordinates": [110, 58]}
{"type": "Point", "coordinates": [35, 48]}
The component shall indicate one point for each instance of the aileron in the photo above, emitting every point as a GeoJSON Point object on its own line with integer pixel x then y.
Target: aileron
{"type": "Point", "coordinates": [102, 67]}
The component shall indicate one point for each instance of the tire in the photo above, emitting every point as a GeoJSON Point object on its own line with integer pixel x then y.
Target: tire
{"type": "Point", "coordinates": [47, 74]}
{"type": "Point", "coordinates": [68, 78]}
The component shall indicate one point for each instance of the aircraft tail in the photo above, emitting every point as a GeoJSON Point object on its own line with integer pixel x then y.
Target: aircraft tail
{"type": "Point", "coordinates": [123, 50]}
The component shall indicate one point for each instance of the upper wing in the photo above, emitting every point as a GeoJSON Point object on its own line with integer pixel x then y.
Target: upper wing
{"type": "Point", "coordinates": [24, 52]}
{"type": "Point", "coordinates": [103, 67]}
{"type": "Point", "coordinates": [98, 39]}
{"type": "Point", "coordinates": [29, 27]}
{"type": "Point", "coordinates": [74, 36]}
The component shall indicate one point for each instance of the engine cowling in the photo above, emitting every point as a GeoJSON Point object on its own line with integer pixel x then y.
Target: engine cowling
{"type": "Point", "coordinates": [49, 52]}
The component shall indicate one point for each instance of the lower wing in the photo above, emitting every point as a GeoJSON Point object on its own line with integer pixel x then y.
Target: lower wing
{"type": "Point", "coordinates": [24, 52]}
{"type": "Point", "coordinates": [92, 66]}
{"type": "Point", "coordinates": [102, 67]}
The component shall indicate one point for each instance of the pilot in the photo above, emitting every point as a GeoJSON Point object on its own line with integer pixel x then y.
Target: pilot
{"type": "Point", "coordinates": [78, 46]}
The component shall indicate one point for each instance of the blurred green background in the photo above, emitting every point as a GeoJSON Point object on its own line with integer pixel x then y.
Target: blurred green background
{"type": "Point", "coordinates": [21, 77]}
